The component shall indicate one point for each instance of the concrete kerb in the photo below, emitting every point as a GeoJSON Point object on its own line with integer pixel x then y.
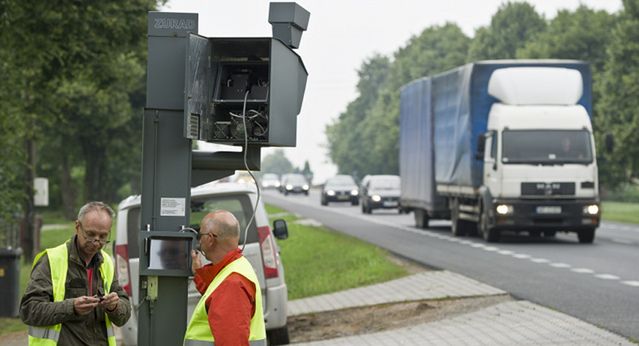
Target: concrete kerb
{"type": "Point", "coordinates": [507, 323]}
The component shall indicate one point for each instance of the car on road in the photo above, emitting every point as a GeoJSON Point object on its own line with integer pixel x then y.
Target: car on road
{"type": "Point", "coordinates": [261, 250]}
{"type": "Point", "coordinates": [294, 183]}
{"type": "Point", "coordinates": [380, 192]}
{"type": "Point", "coordinates": [270, 181]}
{"type": "Point", "coordinates": [340, 188]}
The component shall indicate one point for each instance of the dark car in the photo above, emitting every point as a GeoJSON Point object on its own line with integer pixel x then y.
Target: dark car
{"type": "Point", "coordinates": [340, 188]}
{"type": "Point", "coordinates": [294, 183]}
{"type": "Point", "coordinates": [380, 192]}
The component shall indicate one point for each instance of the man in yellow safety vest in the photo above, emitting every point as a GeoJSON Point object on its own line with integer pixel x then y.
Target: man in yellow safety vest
{"type": "Point", "coordinates": [230, 310]}
{"type": "Point", "coordinates": [72, 297]}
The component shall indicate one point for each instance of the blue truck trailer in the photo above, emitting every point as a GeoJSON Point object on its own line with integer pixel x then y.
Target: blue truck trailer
{"type": "Point", "coordinates": [503, 145]}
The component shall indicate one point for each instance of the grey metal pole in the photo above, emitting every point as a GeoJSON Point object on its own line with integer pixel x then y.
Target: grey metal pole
{"type": "Point", "coordinates": [166, 172]}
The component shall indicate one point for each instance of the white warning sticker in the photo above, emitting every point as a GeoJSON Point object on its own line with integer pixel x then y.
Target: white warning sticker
{"type": "Point", "coordinates": [172, 206]}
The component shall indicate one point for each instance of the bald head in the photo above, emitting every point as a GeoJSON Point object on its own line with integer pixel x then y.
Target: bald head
{"type": "Point", "coordinates": [223, 223]}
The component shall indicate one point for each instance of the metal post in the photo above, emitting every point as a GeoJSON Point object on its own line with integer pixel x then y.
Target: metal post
{"type": "Point", "coordinates": [166, 172]}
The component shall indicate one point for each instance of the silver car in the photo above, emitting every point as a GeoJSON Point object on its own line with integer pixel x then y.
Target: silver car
{"type": "Point", "coordinates": [261, 250]}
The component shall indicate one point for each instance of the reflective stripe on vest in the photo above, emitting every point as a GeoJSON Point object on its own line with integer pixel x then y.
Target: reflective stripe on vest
{"type": "Point", "coordinates": [198, 332]}
{"type": "Point", "coordinates": [59, 265]}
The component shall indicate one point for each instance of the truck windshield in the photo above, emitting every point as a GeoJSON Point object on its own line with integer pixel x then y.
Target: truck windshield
{"type": "Point", "coordinates": [546, 147]}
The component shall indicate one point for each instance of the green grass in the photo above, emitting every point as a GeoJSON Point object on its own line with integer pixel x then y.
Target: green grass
{"type": "Point", "coordinates": [620, 211]}
{"type": "Point", "coordinates": [318, 260]}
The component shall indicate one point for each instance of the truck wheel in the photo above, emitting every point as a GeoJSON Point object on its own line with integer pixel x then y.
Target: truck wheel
{"type": "Point", "coordinates": [586, 236]}
{"type": "Point", "coordinates": [421, 218]}
{"type": "Point", "coordinates": [458, 227]}
{"type": "Point", "coordinates": [489, 234]}
{"type": "Point", "coordinates": [534, 234]}
{"type": "Point", "coordinates": [324, 202]}
{"type": "Point", "coordinates": [550, 234]}
{"type": "Point", "coordinates": [278, 336]}
{"type": "Point", "coordinates": [355, 202]}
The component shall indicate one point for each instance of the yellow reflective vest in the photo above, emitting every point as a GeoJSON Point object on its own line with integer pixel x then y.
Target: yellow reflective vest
{"type": "Point", "coordinates": [59, 264]}
{"type": "Point", "coordinates": [198, 333]}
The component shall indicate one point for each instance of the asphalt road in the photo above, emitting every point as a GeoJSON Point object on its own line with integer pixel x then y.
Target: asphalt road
{"type": "Point", "coordinates": [598, 282]}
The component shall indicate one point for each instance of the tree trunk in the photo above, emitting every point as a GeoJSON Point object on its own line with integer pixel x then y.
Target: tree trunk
{"type": "Point", "coordinates": [29, 239]}
{"type": "Point", "coordinates": [95, 167]}
{"type": "Point", "coordinates": [68, 191]}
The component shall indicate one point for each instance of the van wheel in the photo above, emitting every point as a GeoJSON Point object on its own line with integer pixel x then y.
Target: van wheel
{"type": "Point", "coordinates": [278, 336]}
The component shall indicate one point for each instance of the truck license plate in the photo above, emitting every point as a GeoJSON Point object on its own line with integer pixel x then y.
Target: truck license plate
{"type": "Point", "coordinates": [549, 210]}
{"type": "Point", "coordinates": [390, 203]}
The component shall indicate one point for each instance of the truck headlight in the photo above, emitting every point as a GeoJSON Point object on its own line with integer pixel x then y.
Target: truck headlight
{"type": "Point", "coordinates": [376, 198]}
{"type": "Point", "coordinates": [330, 193]}
{"type": "Point", "coordinates": [354, 192]}
{"type": "Point", "coordinates": [504, 209]}
{"type": "Point", "coordinates": [592, 209]}
{"type": "Point", "coordinates": [289, 187]}
{"type": "Point", "coordinates": [305, 187]}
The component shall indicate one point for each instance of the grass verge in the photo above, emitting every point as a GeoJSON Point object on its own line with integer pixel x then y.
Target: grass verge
{"type": "Point", "coordinates": [620, 211]}
{"type": "Point", "coordinates": [318, 260]}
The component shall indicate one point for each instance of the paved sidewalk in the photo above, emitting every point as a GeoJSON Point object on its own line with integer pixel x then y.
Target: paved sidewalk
{"type": "Point", "coordinates": [508, 323]}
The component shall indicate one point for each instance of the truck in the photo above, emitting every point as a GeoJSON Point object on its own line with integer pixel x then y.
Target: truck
{"type": "Point", "coordinates": [501, 146]}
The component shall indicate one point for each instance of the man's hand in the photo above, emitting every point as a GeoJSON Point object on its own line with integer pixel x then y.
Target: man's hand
{"type": "Point", "coordinates": [110, 301]}
{"type": "Point", "coordinates": [196, 262]}
{"type": "Point", "coordinates": [85, 304]}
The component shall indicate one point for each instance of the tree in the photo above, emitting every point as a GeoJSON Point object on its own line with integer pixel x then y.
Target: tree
{"type": "Point", "coordinates": [277, 163]}
{"type": "Point", "coordinates": [345, 134]}
{"type": "Point", "coordinates": [619, 101]}
{"type": "Point", "coordinates": [435, 50]}
{"type": "Point", "coordinates": [583, 34]}
{"type": "Point", "coordinates": [364, 139]}
{"type": "Point", "coordinates": [306, 171]}
{"type": "Point", "coordinates": [514, 24]}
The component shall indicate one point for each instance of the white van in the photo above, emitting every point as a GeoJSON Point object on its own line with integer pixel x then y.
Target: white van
{"type": "Point", "coordinates": [261, 250]}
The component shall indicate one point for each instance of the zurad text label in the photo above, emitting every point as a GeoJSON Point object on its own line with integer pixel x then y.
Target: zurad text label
{"type": "Point", "coordinates": [174, 23]}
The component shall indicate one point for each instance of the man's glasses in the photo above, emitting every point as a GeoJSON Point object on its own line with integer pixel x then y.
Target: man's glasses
{"type": "Point", "coordinates": [200, 235]}
{"type": "Point", "coordinates": [90, 236]}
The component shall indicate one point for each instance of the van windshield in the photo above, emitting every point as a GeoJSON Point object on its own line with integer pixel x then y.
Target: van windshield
{"type": "Point", "coordinates": [546, 147]}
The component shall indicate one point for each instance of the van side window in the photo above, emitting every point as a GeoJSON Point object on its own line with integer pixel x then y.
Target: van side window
{"type": "Point", "coordinates": [239, 205]}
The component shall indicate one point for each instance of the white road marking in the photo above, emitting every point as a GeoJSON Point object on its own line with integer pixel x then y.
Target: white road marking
{"type": "Point", "coordinates": [505, 252]}
{"type": "Point", "coordinates": [622, 241]}
{"type": "Point", "coordinates": [491, 248]}
{"type": "Point", "coordinates": [477, 245]}
{"type": "Point", "coordinates": [607, 277]}
{"type": "Point", "coordinates": [521, 256]}
{"type": "Point", "coordinates": [540, 260]}
{"type": "Point", "coordinates": [631, 283]}
{"type": "Point", "coordinates": [582, 270]}
{"type": "Point", "coordinates": [560, 265]}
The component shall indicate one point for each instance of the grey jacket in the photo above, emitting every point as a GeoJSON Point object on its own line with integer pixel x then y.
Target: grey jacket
{"type": "Point", "coordinates": [38, 309]}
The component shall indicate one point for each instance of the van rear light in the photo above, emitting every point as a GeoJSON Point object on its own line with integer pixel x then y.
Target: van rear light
{"type": "Point", "coordinates": [122, 266]}
{"type": "Point", "coordinates": [270, 258]}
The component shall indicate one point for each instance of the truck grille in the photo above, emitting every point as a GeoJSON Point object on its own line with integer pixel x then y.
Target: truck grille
{"type": "Point", "coordinates": [548, 189]}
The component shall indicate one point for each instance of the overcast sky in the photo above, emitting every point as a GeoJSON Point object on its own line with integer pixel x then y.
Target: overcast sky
{"type": "Point", "coordinates": [341, 35]}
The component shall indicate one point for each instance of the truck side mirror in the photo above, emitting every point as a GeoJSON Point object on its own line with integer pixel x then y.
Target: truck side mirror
{"type": "Point", "coordinates": [481, 147]}
{"type": "Point", "coordinates": [280, 229]}
{"type": "Point", "coordinates": [609, 142]}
